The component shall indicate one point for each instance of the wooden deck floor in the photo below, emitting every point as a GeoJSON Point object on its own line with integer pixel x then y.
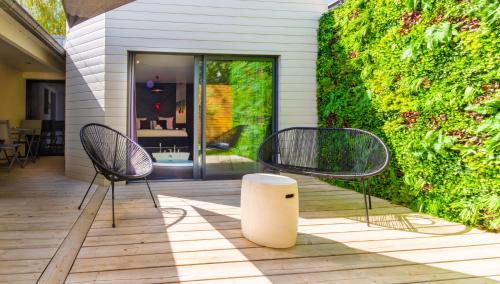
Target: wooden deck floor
{"type": "Point", "coordinates": [195, 237]}
{"type": "Point", "coordinates": [37, 211]}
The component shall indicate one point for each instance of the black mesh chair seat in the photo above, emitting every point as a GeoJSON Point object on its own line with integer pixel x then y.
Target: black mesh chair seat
{"type": "Point", "coordinates": [115, 156]}
{"type": "Point", "coordinates": [336, 153]}
{"type": "Point", "coordinates": [320, 173]}
{"type": "Point", "coordinates": [123, 174]}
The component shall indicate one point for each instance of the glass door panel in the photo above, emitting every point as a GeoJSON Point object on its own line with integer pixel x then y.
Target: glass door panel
{"type": "Point", "coordinates": [238, 114]}
{"type": "Point", "coordinates": [162, 108]}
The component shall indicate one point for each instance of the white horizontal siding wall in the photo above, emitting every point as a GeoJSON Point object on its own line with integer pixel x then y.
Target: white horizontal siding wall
{"type": "Point", "coordinates": [281, 28]}
{"type": "Point", "coordinates": [286, 29]}
{"type": "Point", "coordinates": [85, 90]}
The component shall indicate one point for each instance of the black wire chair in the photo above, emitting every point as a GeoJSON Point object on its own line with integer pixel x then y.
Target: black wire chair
{"type": "Point", "coordinates": [337, 153]}
{"type": "Point", "coordinates": [115, 157]}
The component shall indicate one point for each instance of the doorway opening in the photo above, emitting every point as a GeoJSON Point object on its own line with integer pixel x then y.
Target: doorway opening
{"type": "Point", "coordinates": [163, 112]}
{"type": "Point", "coordinates": [45, 101]}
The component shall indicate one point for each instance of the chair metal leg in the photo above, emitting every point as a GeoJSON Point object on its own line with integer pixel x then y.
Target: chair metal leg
{"type": "Point", "coordinates": [27, 149]}
{"type": "Point", "coordinates": [369, 190]}
{"type": "Point", "coordinates": [150, 192]}
{"type": "Point", "coordinates": [6, 156]}
{"type": "Point", "coordinates": [366, 203]}
{"type": "Point", "coordinates": [113, 201]}
{"type": "Point", "coordinates": [88, 189]}
{"type": "Point", "coordinates": [10, 160]}
{"type": "Point", "coordinates": [37, 146]}
{"type": "Point", "coordinates": [16, 158]}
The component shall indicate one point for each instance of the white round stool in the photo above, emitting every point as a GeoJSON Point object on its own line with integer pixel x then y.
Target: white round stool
{"type": "Point", "coordinates": [269, 210]}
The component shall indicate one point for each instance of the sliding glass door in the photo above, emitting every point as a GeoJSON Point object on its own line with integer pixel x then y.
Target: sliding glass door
{"type": "Point", "coordinates": [199, 116]}
{"type": "Point", "coordinates": [237, 103]}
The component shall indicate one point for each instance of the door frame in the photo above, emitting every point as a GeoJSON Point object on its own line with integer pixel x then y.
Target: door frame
{"type": "Point", "coordinates": [199, 97]}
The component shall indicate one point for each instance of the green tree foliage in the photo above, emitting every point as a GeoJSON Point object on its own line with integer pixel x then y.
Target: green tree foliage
{"type": "Point", "coordinates": [425, 76]}
{"type": "Point", "coordinates": [48, 13]}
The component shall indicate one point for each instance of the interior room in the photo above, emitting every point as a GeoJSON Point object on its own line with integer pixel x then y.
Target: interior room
{"type": "Point", "coordinates": [164, 112]}
{"type": "Point", "coordinates": [45, 101]}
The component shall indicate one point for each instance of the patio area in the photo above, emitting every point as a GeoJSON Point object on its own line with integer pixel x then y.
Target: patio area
{"type": "Point", "coordinates": [194, 236]}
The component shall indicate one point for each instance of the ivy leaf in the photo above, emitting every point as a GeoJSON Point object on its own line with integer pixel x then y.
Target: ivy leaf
{"type": "Point", "coordinates": [434, 144]}
{"type": "Point", "coordinates": [469, 93]}
{"type": "Point", "coordinates": [488, 107]}
{"type": "Point", "coordinates": [415, 84]}
{"type": "Point", "coordinates": [487, 10]}
{"type": "Point", "coordinates": [427, 5]}
{"type": "Point", "coordinates": [491, 125]}
{"type": "Point", "coordinates": [438, 34]}
{"type": "Point", "coordinates": [443, 142]}
{"type": "Point", "coordinates": [407, 53]}
{"type": "Point", "coordinates": [412, 50]}
{"type": "Point", "coordinates": [412, 4]}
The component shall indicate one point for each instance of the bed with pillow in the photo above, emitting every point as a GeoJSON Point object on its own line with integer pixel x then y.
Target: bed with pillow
{"type": "Point", "coordinates": [164, 128]}
{"type": "Point", "coordinates": [163, 133]}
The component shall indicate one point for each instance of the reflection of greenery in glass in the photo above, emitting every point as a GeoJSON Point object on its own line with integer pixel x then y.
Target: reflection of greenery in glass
{"type": "Point", "coordinates": [218, 72]}
{"type": "Point", "coordinates": [251, 82]}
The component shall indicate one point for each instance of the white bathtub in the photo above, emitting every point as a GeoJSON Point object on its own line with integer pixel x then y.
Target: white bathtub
{"type": "Point", "coordinates": [166, 156]}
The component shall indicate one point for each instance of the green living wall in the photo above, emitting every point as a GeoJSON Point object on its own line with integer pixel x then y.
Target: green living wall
{"type": "Point", "coordinates": [423, 75]}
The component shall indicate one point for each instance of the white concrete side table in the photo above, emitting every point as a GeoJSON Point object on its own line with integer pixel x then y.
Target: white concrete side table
{"type": "Point", "coordinates": [270, 210]}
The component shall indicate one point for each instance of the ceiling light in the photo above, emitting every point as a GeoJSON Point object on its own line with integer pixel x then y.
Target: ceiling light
{"type": "Point", "coordinates": [157, 90]}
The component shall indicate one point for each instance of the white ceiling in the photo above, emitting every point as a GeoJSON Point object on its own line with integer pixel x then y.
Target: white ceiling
{"type": "Point", "coordinates": [169, 68]}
